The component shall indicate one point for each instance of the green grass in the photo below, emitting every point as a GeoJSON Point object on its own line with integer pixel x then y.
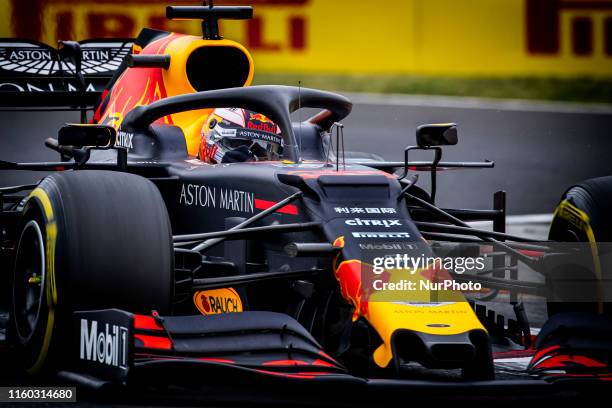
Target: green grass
{"type": "Point", "coordinates": [555, 89]}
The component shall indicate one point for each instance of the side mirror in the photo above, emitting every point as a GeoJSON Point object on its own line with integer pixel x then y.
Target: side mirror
{"type": "Point", "coordinates": [437, 134]}
{"type": "Point", "coordinates": [78, 136]}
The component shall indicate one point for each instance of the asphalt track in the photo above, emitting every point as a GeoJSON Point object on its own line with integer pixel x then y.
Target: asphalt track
{"type": "Point", "coordinates": [539, 149]}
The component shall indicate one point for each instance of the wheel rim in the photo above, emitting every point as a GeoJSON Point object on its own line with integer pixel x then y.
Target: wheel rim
{"type": "Point", "coordinates": [29, 280]}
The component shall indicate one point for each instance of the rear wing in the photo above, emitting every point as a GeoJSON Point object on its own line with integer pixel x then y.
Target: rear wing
{"type": "Point", "coordinates": [34, 75]}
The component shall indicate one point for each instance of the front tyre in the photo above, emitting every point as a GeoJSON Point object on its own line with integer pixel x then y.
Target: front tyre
{"type": "Point", "coordinates": [89, 240]}
{"type": "Point", "coordinates": [32, 312]}
{"type": "Point", "coordinates": [583, 215]}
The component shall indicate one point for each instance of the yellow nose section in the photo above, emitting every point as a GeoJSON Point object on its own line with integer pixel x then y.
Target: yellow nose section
{"type": "Point", "coordinates": [447, 318]}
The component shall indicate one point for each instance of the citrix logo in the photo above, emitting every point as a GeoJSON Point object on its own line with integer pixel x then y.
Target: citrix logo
{"type": "Point", "coordinates": [124, 139]}
{"type": "Point", "coordinates": [371, 222]}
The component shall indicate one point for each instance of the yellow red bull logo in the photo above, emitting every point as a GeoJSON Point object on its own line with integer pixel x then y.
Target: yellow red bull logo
{"type": "Point", "coordinates": [259, 117]}
{"type": "Point", "coordinates": [261, 122]}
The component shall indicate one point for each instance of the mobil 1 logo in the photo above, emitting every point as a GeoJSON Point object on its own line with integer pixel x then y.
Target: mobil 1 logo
{"type": "Point", "coordinates": [103, 342]}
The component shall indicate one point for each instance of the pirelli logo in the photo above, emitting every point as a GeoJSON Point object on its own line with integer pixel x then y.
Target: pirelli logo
{"type": "Point", "coordinates": [573, 215]}
{"type": "Point", "coordinates": [588, 26]}
{"type": "Point", "coordinates": [64, 19]}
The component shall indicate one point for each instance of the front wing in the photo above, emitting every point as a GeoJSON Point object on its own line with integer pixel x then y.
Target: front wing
{"type": "Point", "coordinates": [260, 352]}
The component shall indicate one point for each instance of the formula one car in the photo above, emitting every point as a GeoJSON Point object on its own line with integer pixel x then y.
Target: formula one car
{"type": "Point", "coordinates": [135, 261]}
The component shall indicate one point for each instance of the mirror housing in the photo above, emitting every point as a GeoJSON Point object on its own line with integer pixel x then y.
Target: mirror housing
{"type": "Point", "coordinates": [100, 136]}
{"type": "Point", "coordinates": [437, 134]}
{"type": "Point", "coordinates": [71, 51]}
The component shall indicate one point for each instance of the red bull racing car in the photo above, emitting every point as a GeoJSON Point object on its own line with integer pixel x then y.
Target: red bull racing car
{"type": "Point", "coordinates": [192, 231]}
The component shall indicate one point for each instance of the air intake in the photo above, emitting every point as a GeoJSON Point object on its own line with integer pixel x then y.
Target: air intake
{"type": "Point", "coordinates": [217, 67]}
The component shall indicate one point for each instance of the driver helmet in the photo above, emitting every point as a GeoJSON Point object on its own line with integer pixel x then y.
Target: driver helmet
{"type": "Point", "coordinates": [238, 135]}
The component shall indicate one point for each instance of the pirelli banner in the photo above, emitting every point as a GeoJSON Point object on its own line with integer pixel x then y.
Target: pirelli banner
{"type": "Point", "coordinates": [448, 37]}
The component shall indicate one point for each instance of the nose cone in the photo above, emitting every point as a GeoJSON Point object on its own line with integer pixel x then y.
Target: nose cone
{"type": "Point", "coordinates": [441, 333]}
{"type": "Point", "coordinates": [433, 350]}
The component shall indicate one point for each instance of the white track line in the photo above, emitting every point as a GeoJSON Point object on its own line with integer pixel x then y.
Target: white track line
{"type": "Point", "coordinates": [511, 220]}
{"type": "Point", "coordinates": [529, 219]}
{"type": "Point", "coordinates": [533, 226]}
{"type": "Point", "coordinates": [462, 102]}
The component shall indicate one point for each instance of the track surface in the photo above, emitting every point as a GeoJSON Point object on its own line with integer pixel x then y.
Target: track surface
{"type": "Point", "coordinates": [538, 153]}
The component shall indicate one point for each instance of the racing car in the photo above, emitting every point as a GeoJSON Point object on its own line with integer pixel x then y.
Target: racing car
{"type": "Point", "coordinates": [136, 257]}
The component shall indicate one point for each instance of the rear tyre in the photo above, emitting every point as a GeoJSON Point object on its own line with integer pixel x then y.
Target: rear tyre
{"type": "Point", "coordinates": [583, 215]}
{"type": "Point", "coordinates": [89, 240]}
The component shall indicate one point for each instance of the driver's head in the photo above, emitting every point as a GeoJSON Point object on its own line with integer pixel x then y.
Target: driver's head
{"type": "Point", "coordinates": [237, 135]}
